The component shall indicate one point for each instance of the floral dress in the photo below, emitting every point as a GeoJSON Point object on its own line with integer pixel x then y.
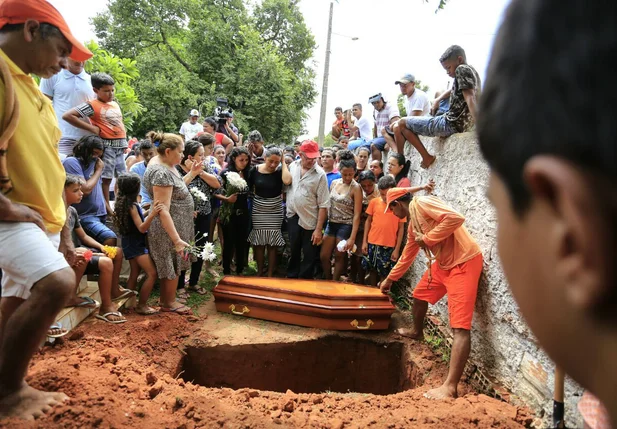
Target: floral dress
{"type": "Point", "coordinates": [169, 263]}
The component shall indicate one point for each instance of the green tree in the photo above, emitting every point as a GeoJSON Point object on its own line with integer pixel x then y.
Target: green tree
{"type": "Point", "coordinates": [190, 52]}
{"type": "Point", "coordinates": [440, 6]}
{"type": "Point", "coordinates": [124, 72]}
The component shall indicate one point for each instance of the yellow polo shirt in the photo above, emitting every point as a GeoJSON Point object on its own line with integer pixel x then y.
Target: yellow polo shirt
{"type": "Point", "coordinates": [32, 158]}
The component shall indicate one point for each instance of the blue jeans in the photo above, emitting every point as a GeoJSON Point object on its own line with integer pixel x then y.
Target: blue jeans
{"type": "Point", "coordinates": [341, 231]}
{"type": "Point", "coordinates": [95, 227]}
{"type": "Point", "coordinates": [430, 126]}
{"type": "Point", "coordinates": [355, 144]}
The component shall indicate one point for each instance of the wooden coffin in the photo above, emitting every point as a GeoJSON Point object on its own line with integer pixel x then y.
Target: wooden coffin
{"type": "Point", "coordinates": [311, 303]}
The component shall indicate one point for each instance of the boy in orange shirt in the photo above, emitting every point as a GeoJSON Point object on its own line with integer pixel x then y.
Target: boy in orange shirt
{"type": "Point", "coordinates": [106, 122]}
{"type": "Point", "coordinates": [383, 235]}
{"type": "Point", "coordinates": [455, 265]}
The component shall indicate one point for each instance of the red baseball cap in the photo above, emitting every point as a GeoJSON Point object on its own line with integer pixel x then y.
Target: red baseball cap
{"type": "Point", "coordinates": [310, 149]}
{"type": "Point", "coordinates": [19, 11]}
{"type": "Point", "coordinates": [393, 195]}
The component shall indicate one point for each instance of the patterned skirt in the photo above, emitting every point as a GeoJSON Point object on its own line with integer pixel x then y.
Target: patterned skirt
{"type": "Point", "coordinates": [267, 219]}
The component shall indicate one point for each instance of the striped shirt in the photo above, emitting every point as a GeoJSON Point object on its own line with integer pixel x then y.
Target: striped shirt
{"type": "Point", "coordinates": [383, 117]}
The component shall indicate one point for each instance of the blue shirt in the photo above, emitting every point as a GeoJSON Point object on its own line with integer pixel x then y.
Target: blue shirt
{"type": "Point", "coordinates": [140, 169]}
{"type": "Point", "coordinates": [93, 204]}
{"type": "Point", "coordinates": [332, 176]}
{"type": "Point", "coordinates": [67, 91]}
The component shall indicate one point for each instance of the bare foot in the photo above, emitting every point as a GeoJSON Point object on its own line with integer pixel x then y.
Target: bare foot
{"type": "Point", "coordinates": [410, 333]}
{"type": "Point", "coordinates": [442, 392]}
{"type": "Point", "coordinates": [145, 310]}
{"type": "Point", "coordinates": [28, 403]}
{"type": "Point", "coordinates": [426, 164]}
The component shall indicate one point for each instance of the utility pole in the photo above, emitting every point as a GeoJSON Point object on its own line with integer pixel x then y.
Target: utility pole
{"type": "Point", "coordinates": [324, 88]}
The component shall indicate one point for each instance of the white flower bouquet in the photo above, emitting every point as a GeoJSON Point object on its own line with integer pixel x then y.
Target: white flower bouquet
{"type": "Point", "coordinates": [198, 196]}
{"type": "Point", "coordinates": [205, 252]}
{"type": "Point", "coordinates": [235, 184]}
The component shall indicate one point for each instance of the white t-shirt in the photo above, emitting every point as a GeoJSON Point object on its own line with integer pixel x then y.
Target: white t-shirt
{"type": "Point", "coordinates": [189, 130]}
{"type": "Point", "coordinates": [417, 101]}
{"type": "Point", "coordinates": [365, 127]}
{"type": "Point", "coordinates": [68, 90]}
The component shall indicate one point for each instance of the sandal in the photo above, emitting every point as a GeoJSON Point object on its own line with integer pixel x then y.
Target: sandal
{"type": "Point", "coordinates": [149, 311]}
{"type": "Point", "coordinates": [126, 293]}
{"type": "Point", "coordinates": [182, 310]}
{"type": "Point", "coordinates": [198, 290]}
{"type": "Point", "coordinates": [56, 327]}
{"type": "Point", "coordinates": [181, 294]}
{"type": "Point", "coordinates": [87, 302]}
{"type": "Point", "coordinates": [106, 318]}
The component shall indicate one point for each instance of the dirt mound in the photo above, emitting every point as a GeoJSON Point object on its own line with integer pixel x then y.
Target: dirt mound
{"type": "Point", "coordinates": [125, 375]}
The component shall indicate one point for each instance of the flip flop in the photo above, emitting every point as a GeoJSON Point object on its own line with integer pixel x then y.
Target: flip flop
{"type": "Point", "coordinates": [111, 313]}
{"type": "Point", "coordinates": [57, 326]}
{"type": "Point", "coordinates": [198, 290]}
{"type": "Point", "coordinates": [182, 310]}
{"type": "Point", "coordinates": [126, 293]}
{"type": "Point", "coordinates": [149, 312]}
{"type": "Point", "coordinates": [87, 302]}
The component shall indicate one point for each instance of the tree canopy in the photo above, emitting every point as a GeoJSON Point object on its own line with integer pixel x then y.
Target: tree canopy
{"type": "Point", "coordinates": [188, 52]}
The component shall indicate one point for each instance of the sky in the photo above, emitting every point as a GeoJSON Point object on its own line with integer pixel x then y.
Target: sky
{"type": "Point", "coordinates": [394, 37]}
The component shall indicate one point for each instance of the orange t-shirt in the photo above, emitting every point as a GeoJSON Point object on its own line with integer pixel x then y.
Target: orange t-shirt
{"type": "Point", "coordinates": [384, 226]}
{"type": "Point", "coordinates": [106, 116]}
{"type": "Point", "coordinates": [444, 234]}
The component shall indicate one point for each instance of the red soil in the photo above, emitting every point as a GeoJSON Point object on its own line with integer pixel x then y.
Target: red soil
{"type": "Point", "coordinates": [123, 376]}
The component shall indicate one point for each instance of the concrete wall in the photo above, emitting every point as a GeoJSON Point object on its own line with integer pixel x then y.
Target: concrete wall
{"type": "Point", "coordinates": [502, 344]}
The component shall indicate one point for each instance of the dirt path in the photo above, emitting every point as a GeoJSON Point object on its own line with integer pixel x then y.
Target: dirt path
{"type": "Point", "coordinates": [126, 376]}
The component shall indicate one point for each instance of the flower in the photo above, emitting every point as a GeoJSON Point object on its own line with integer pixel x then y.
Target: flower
{"type": "Point", "coordinates": [235, 180]}
{"type": "Point", "coordinates": [198, 195]}
{"type": "Point", "coordinates": [87, 255]}
{"type": "Point", "coordinates": [209, 247]}
{"type": "Point", "coordinates": [110, 251]}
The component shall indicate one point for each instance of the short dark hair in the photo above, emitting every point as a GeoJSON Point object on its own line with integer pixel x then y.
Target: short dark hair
{"type": "Point", "coordinates": [358, 105]}
{"type": "Point", "coordinates": [73, 179]}
{"type": "Point", "coordinates": [145, 144]}
{"type": "Point", "coordinates": [100, 80]}
{"type": "Point", "coordinates": [453, 52]}
{"type": "Point", "coordinates": [562, 61]}
{"type": "Point", "coordinates": [366, 175]}
{"type": "Point", "coordinates": [341, 138]}
{"type": "Point", "coordinates": [336, 109]}
{"type": "Point", "coordinates": [46, 30]}
{"type": "Point", "coordinates": [386, 182]}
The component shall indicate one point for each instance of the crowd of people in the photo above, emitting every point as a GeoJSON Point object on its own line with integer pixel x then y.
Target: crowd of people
{"type": "Point", "coordinates": [92, 198]}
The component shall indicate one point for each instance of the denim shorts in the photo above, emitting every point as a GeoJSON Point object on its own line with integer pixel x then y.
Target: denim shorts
{"type": "Point", "coordinates": [113, 162]}
{"type": "Point", "coordinates": [430, 126]}
{"type": "Point", "coordinates": [338, 230]}
{"type": "Point", "coordinates": [355, 144]}
{"type": "Point", "coordinates": [379, 143]}
{"type": "Point", "coordinates": [95, 227]}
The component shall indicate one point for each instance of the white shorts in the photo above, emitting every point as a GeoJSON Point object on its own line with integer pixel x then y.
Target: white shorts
{"type": "Point", "coordinates": [27, 254]}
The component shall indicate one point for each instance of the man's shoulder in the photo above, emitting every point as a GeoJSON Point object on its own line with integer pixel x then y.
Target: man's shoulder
{"type": "Point", "coordinates": [138, 166]}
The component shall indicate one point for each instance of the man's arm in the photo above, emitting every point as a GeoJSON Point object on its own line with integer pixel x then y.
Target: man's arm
{"type": "Point", "coordinates": [11, 212]}
{"type": "Point", "coordinates": [470, 99]}
{"type": "Point", "coordinates": [409, 254]}
{"type": "Point", "coordinates": [318, 233]}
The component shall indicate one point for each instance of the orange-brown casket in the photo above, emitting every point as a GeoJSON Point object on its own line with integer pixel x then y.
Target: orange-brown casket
{"type": "Point", "coordinates": [311, 303]}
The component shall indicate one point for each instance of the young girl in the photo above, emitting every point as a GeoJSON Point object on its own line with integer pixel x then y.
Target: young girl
{"type": "Point", "coordinates": [133, 228]}
{"type": "Point", "coordinates": [343, 218]}
{"type": "Point", "coordinates": [236, 228]}
{"type": "Point", "coordinates": [366, 179]}
{"type": "Point", "coordinates": [399, 169]}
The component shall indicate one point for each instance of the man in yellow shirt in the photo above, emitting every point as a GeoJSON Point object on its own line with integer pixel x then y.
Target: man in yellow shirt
{"type": "Point", "coordinates": [37, 281]}
{"type": "Point", "coordinates": [455, 265]}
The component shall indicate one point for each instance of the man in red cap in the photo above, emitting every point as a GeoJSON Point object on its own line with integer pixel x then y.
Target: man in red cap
{"type": "Point", "coordinates": [454, 267]}
{"type": "Point", "coordinates": [37, 281]}
{"type": "Point", "coordinates": [308, 200]}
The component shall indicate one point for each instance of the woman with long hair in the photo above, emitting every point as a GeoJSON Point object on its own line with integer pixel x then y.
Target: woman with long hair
{"type": "Point", "coordinates": [235, 227]}
{"type": "Point", "coordinates": [210, 127]}
{"type": "Point", "coordinates": [398, 168]}
{"type": "Point", "coordinates": [201, 186]}
{"type": "Point", "coordinates": [173, 229]}
{"type": "Point", "coordinates": [266, 181]}
{"type": "Point", "coordinates": [343, 217]}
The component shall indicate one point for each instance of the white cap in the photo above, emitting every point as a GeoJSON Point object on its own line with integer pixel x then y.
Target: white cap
{"type": "Point", "coordinates": [194, 112]}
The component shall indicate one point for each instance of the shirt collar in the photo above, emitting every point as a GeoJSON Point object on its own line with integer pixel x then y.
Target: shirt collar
{"type": "Point", "coordinates": [68, 75]}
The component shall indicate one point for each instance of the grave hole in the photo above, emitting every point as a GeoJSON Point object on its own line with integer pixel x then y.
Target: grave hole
{"type": "Point", "coordinates": [329, 364]}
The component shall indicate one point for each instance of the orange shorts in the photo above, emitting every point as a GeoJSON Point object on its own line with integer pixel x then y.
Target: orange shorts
{"type": "Point", "coordinates": [461, 285]}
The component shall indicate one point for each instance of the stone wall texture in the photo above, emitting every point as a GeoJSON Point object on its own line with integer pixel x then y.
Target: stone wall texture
{"type": "Point", "coordinates": [502, 345]}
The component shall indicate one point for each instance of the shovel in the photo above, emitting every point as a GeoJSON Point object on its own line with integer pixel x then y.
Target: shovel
{"type": "Point", "coordinates": [558, 406]}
